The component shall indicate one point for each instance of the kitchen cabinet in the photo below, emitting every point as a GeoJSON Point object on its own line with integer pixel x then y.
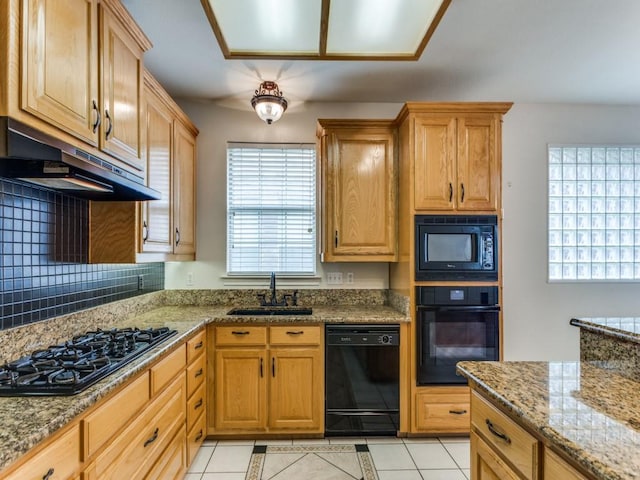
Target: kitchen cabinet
{"type": "Point", "coordinates": [73, 70]}
{"type": "Point", "coordinates": [358, 190]}
{"type": "Point", "coordinates": [443, 410]}
{"type": "Point", "coordinates": [59, 458]}
{"type": "Point", "coordinates": [148, 428]}
{"type": "Point", "coordinates": [156, 230]}
{"type": "Point", "coordinates": [556, 467]}
{"type": "Point", "coordinates": [455, 152]}
{"type": "Point", "coordinates": [456, 164]}
{"type": "Point", "coordinates": [499, 445]}
{"type": "Point", "coordinates": [268, 379]}
{"type": "Point", "coordinates": [196, 394]}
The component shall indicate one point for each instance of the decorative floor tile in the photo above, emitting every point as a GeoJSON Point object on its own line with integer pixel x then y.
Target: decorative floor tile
{"type": "Point", "coordinates": [391, 457]}
{"type": "Point", "coordinates": [431, 456]}
{"type": "Point", "coordinates": [311, 462]}
{"type": "Point", "coordinates": [442, 475]}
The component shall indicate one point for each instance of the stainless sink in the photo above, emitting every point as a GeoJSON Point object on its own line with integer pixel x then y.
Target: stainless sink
{"type": "Point", "coordinates": [271, 311]}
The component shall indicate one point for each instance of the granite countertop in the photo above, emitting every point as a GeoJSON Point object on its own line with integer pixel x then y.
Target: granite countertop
{"type": "Point", "coordinates": [588, 412]}
{"type": "Point", "coordinates": [26, 421]}
{"type": "Point", "coordinates": [624, 328]}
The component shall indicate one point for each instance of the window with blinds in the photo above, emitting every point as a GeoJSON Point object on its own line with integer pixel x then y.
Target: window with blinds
{"type": "Point", "coordinates": [594, 213]}
{"type": "Point", "coordinates": [271, 209]}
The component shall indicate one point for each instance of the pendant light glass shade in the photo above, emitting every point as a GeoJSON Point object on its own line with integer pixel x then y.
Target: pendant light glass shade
{"type": "Point", "coordinates": [268, 102]}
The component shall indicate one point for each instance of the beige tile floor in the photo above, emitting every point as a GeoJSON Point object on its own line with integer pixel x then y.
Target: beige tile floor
{"type": "Point", "coordinates": [394, 458]}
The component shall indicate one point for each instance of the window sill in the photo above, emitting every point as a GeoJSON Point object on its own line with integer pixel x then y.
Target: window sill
{"type": "Point", "coordinates": [262, 281]}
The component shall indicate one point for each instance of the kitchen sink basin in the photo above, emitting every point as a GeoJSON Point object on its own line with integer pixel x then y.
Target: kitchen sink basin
{"type": "Point", "coordinates": [271, 311]}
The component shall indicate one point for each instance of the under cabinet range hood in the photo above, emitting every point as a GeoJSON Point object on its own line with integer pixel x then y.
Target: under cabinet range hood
{"type": "Point", "coordinates": [29, 155]}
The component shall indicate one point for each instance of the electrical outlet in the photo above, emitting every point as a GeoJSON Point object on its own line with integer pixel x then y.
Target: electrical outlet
{"type": "Point", "coordinates": [350, 277]}
{"type": "Point", "coordinates": [190, 279]}
{"type": "Point", "coordinates": [140, 282]}
{"type": "Point", "coordinates": [334, 278]}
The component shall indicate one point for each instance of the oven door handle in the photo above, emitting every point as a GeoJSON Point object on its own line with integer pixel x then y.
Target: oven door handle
{"type": "Point", "coordinates": [461, 308]}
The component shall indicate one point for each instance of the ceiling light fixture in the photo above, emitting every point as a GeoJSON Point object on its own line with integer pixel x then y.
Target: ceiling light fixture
{"type": "Point", "coordinates": [268, 102]}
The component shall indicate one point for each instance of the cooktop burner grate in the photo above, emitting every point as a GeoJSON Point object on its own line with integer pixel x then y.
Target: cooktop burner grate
{"type": "Point", "coordinates": [72, 367]}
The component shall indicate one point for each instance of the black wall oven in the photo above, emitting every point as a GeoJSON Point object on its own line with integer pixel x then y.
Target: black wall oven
{"type": "Point", "coordinates": [454, 324]}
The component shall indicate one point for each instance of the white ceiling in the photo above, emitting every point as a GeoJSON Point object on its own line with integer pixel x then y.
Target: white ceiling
{"type": "Point", "coordinates": [575, 51]}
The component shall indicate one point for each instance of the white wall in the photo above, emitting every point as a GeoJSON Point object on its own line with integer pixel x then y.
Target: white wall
{"type": "Point", "coordinates": [536, 313]}
{"type": "Point", "coordinates": [217, 126]}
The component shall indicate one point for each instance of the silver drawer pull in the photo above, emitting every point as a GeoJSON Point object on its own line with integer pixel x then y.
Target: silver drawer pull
{"type": "Point", "coordinates": [239, 332]}
{"type": "Point", "coordinates": [47, 475]}
{"type": "Point", "coordinates": [295, 332]}
{"type": "Point", "coordinates": [198, 345]}
{"type": "Point", "coordinates": [457, 412]}
{"type": "Point", "coordinates": [493, 430]}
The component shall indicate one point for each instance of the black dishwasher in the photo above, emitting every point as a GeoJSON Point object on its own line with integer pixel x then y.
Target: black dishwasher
{"type": "Point", "coordinates": [361, 380]}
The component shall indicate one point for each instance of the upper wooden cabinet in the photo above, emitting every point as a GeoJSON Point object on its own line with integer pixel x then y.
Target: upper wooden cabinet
{"type": "Point", "coordinates": [60, 68]}
{"type": "Point", "coordinates": [73, 69]}
{"type": "Point", "coordinates": [120, 86]}
{"type": "Point", "coordinates": [456, 154]}
{"type": "Point", "coordinates": [156, 230]}
{"type": "Point", "coordinates": [359, 188]}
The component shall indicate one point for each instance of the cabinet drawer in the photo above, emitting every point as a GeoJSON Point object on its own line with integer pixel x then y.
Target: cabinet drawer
{"type": "Point", "coordinates": [195, 346]}
{"type": "Point", "coordinates": [195, 437]}
{"type": "Point", "coordinates": [195, 406]}
{"type": "Point", "coordinates": [100, 425]}
{"type": "Point", "coordinates": [134, 453]}
{"type": "Point", "coordinates": [195, 374]}
{"type": "Point", "coordinates": [515, 444]}
{"type": "Point", "coordinates": [173, 462]}
{"type": "Point", "coordinates": [61, 457]}
{"type": "Point", "coordinates": [443, 412]}
{"type": "Point", "coordinates": [295, 335]}
{"type": "Point", "coordinates": [167, 369]}
{"type": "Point", "coordinates": [241, 335]}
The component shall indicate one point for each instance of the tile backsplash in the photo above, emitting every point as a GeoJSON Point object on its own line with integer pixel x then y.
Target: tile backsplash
{"type": "Point", "coordinates": [43, 259]}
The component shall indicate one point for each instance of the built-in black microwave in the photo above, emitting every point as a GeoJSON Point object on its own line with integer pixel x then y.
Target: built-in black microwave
{"type": "Point", "coordinates": [456, 247]}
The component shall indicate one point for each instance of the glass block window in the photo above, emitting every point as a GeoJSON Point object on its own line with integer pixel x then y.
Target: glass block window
{"type": "Point", "coordinates": [594, 213]}
{"type": "Point", "coordinates": [271, 209]}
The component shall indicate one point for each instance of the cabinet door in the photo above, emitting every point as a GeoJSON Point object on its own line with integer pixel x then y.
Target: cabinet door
{"type": "Point", "coordinates": [435, 156]}
{"type": "Point", "coordinates": [184, 196]}
{"type": "Point", "coordinates": [240, 389]}
{"type": "Point", "coordinates": [296, 389]}
{"type": "Point", "coordinates": [478, 173]}
{"type": "Point", "coordinates": [60, 70]}
{"type": "Point", "coordinates": [555, 467]}
{"type": "Point", "coordinates": [360, 208]}
{"type": "Point", "coordinates": [156, 215]}
{"type": "Point", "coordinates": [121, 82]}
{"type": "Point", "coordinates": [486, 464]}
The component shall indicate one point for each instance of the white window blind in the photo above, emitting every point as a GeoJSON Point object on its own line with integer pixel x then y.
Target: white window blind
{"type": "Point", "coordinates": [271, 208]}
{"type": "Point", "coordinates": [594, 213]}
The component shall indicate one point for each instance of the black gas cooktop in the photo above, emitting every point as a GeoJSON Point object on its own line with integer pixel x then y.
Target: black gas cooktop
{"type": "Point", "coordinates": [71, 367]}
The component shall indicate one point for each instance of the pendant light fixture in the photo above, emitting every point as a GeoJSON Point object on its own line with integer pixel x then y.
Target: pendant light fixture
{"type": "Point", "coordinates": [268, 102]}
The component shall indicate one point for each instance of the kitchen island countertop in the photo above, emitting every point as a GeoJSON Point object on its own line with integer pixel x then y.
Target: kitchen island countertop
{"type": "Point", "coordinates": [26, 421]}
{"type": "Point", "coordinates": [589, 413]}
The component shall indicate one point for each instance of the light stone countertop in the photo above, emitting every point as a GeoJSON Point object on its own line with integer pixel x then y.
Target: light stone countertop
{"type": "Point", "coordinates": [624, 328]}
{"type": "Point", "coordinates": [26, 421]}
{"type": "Point", "coordinates": [588, 412]}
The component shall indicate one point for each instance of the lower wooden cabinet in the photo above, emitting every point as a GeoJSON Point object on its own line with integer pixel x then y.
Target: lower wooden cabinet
{"type": "Point", "coordinates": [555, 467]}
{"type": "Point", "coordinates": [442, 410]}
{"type": "Point", "coordinates": [486, 464]}
{"type": "Point", "coordinates": [502, 449]}
{"type": "Point", "coordinates": [58, 459]}
{"type": "Point", "coordinates": [151, 428]}
{"type": "Point", "coordinates": [268, 379]}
